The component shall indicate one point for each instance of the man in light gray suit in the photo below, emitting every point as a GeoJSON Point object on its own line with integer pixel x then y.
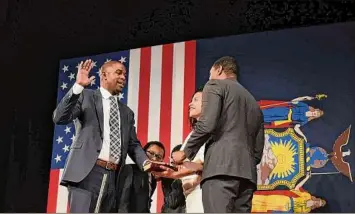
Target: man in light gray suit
{"type": "Point", "coordinates": [105, 133]}
{"type": "Point", "coordinates": [232, 118]}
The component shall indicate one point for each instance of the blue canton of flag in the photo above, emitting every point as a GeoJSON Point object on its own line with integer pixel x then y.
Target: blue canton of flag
{"type": "Point", "coordinates": [65, 134]}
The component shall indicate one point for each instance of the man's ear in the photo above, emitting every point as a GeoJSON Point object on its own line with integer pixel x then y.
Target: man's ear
{"type": "Point", "coordinates": [219, 70]}
{"type": "Point", "coordinates": [103, 74]}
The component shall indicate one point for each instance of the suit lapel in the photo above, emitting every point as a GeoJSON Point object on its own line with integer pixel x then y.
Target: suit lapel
{"type": "Point", "coordinates": [100, 116]}
{"type": "Point", "coordinates": [99, 111]}
{"type": "Point", "coordinates": [123, 117]}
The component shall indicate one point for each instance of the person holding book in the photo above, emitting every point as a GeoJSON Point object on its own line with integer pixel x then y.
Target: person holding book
{"type": "Point", "coordinates": [105, 135]}
{"type": "Point", "coordinates": [190, 173]}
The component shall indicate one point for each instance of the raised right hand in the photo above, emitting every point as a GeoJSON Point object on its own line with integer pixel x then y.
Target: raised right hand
{"type": "Point", "coordinates": [82, 77]}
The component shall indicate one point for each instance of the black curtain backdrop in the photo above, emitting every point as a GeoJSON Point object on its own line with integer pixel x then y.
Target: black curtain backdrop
{"type": "Point", "coordinates": [34, 35]}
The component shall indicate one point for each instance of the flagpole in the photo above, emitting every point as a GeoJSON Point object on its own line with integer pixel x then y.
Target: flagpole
{"type": "Point", "coordinates": [102, 189]}
{"type": "Point", "coordinates": [325, 173]}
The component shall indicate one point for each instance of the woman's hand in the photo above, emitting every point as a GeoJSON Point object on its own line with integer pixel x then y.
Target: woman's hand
{"type": "Point", "coordinates": [178, 157]}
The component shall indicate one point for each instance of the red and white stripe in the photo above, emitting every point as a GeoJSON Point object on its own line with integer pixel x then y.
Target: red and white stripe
{"type": "Point", "coordinates": [58, 195]}
{"type": "Point", "coordinates": [161, 84]}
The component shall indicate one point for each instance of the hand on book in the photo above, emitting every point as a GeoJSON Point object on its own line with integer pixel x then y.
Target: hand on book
{"type": "Point", "coordinates": [186, 168]}
{"type": "Point", "coordinates": [166, 172]}
{"type": "Point", "coordinates": [156, 166]}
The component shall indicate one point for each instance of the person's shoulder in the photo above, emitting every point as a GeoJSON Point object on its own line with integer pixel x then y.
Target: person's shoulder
{"type": "Point", "coordinates": [221, 82]}
{"type": "Point", "coordinates": [87, 91]}
{"type": "Point", "coordinates": [127, 108]}
{"type": "Point", "coordinates": [87, 94]}
{"type": "Point", "coordinates": [214, 84]}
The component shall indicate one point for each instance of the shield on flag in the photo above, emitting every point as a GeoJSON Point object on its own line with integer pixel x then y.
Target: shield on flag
{"type": "Point", "coordinates": [285, 160]}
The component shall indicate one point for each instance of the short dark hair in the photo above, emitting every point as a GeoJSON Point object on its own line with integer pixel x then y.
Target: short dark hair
{"type": "Point", "coordinates": [229, 65]}
{"type": "Point", "coordinates": [191, 119]}
{"type": "Point", "coordinates": [157, 143]}
{"type": "Point", "coordinates": [176, 148]}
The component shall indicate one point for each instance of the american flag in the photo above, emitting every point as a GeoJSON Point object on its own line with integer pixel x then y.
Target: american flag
{"type": "Point", "coordinates": [161, 82]}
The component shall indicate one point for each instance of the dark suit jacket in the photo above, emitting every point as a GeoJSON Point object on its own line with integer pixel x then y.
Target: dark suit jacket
{"type": "Point", "coordinates": [232, 118]}
{"type": "Point", "coordinates": [134, 190]}
{"type": "Point", "coordinates": [87, 111]}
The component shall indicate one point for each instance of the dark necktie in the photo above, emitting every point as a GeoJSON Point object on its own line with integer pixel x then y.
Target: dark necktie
{"type": "Point", "coordinates": [115, 129]}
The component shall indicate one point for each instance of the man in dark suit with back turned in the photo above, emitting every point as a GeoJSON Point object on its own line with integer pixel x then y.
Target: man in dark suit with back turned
{"type": "Point", "coordinates": [232, 117]}
{"type": "Point", "coordinates": [105, 133]}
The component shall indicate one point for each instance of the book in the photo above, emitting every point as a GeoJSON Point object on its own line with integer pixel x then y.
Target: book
{"type": "Point", "coordinates": [155, 166]}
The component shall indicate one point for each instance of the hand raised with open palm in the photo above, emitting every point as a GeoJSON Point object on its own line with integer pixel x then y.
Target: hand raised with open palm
{"type": "Point", "coordinates": [82, 77]}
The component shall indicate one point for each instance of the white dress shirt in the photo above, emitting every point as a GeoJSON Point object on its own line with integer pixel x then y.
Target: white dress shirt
{"type": "Point", "coordinates": [105, 150]}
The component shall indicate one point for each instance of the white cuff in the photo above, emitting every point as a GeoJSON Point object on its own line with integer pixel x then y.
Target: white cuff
{"type": "Point", "coordinates": [77, 89]}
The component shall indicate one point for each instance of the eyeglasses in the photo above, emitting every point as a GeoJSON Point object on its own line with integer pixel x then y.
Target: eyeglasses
{"type": "Point", "coordinates": [154, 155]}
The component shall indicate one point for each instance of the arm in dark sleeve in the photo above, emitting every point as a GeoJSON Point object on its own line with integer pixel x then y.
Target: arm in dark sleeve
{"type": "Point", "coordinates": [69, 107]}
{"type": "Point", "coordinates": [135, 150]}
{"type": "Point", "coordinates": [124, 189]}
{"type": "Point", "coordinates": [260, 141]}
{"type": "Point", "coordinates": [211, 110]}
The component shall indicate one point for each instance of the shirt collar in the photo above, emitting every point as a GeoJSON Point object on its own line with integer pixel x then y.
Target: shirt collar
{"type": "Point", "coordinates": [231, 78]}
{"type": "Point", "coordinates": [105, 94]}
